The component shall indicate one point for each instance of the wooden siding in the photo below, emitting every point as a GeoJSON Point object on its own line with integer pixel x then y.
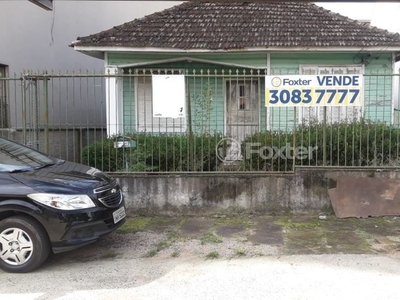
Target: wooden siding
{"type": "Point", "coordinates": [129, 105]}
{"type": "Point", "coordinates": [125, 59]}
{"type": "Point", "coordinates": [377, 87]}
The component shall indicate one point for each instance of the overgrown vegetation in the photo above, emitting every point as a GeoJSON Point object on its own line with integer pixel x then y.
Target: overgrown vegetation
{"type": "Point", "coordinates": [168, 153]}
{"type": "Point", "coordinates": [156, 153]}
{"type": "Point", "coordinates": [212, 255]}
{"type": "Point", "coordinates": [203, 108]}
{"type": "Point", "coordinates": [103, 155]}
{"type": "Point", "coordinates": [363, 143]}
{"type": "Point", "coordinates": [210, 238]}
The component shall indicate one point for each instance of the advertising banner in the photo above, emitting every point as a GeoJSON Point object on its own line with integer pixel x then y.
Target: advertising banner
{"type": "Point", "coordinates": [168, 96]}
{"type": "Point", "coordinates": [313, 90]}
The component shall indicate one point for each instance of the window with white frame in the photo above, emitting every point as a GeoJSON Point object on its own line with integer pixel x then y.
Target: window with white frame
{"type": "Point", "coordinates": [333, 113]}
{"type": "Point", "coordinates": [145, 121]}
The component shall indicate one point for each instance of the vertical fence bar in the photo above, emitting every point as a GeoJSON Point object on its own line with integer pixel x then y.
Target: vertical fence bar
{"type": "Point", "coordinates": [24, 87]}
{"type": "Point", "coordinates": [294, 137]}
{"type": "Point", "coordinates": [324, 138]}
{"type": "Point", "coordinates": [35, 110]}
{"type": "Point", "coordinates": [46, 113]}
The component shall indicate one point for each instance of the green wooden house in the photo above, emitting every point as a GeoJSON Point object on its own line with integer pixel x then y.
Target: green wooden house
{"type": "Point", "coordinates": [224, 50]}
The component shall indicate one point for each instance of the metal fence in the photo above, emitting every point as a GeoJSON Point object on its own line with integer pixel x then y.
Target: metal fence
{"type": "Point", "coordinates": [109, 121]}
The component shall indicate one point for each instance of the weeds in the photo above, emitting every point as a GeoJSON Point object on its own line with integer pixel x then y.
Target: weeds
{"type": "Point", "coordinates": [210, 238]}
{"type": "Point", "coordinates": [212, 255]}
{"type": "Point", "coordinates": [151, 253]}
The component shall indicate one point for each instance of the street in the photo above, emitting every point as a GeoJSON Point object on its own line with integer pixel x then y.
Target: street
{"type": "Point", "coordinates": [285, 277]}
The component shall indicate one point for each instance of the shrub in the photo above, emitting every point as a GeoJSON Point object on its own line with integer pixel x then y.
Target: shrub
{"type": "Point", "coordinates": [363, 143]}
{"type": "Point", "coordinates": [156, 153]}
{"type": "Point", "coordinates": [174, 153]}
{"type": "Point", "coordinates": [103, 155]}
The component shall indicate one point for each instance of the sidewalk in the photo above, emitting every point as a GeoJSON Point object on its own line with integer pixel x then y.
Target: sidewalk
{"type": "Point", "coordinates": [226, 237]}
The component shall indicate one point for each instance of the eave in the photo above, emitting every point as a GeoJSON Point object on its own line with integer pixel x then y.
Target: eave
{"type": "Point", "coordinates": [103, 49]}
{"type": "Point", "coordinates": [98, 51]}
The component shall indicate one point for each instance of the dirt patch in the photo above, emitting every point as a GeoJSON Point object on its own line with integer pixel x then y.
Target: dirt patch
{"type": "Point", "coordinates": [241, 236]}
{"type": "Point", "coordinates": [229, 231]}
{"type": "Point", "coordinates": [196, 227]}
{"type": "Point", "coordinates": [266, 232]}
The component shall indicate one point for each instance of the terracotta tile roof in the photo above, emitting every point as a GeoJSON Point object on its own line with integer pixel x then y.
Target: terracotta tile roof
{"type": "Point", "coordinates": [230, 26]}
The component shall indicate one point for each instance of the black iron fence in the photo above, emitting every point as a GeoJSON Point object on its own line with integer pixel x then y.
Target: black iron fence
{"type": "Point", "coordinates": [214, 121]}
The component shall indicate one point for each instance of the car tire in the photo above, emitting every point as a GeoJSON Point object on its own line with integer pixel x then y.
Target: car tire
{"type": "Point", "coordinates": [24, 244]}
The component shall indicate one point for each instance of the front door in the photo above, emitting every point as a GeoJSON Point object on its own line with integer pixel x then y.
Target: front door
{"type": "Point", "coordinates": [242, 105]}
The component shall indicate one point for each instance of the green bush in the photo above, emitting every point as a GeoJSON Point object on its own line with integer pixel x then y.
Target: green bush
{"type": "Point", "coordinates": [156, 153]}
{"type": "Point", "coordinates": [256, 153]}
{"type": "Point", "coordinates": [363, 143]}
{"type": "Point", "coordinates": [174, 153]}
{"type": "Point", "coordinates": [103, 155]}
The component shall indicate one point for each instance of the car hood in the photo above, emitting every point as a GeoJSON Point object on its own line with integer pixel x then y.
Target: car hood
{"type": "Point", "coordinates": [64, 177]}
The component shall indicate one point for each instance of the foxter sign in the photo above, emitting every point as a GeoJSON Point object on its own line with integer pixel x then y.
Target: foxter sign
{"type": "Point", "coordinates": [313, 90]}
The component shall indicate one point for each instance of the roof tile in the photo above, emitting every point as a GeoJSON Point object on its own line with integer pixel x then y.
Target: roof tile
{"type": "Point", "coordinates": [230, 26]}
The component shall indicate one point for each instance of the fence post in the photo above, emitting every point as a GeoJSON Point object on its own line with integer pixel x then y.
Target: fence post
{"type": "Point", "coordinates": [190, 130]}
{"type": "Point", "coordinates": [35, 114]}
{"type": "Point", "coordinates": [324, 139]}
{"type": "Point", "coordinates": [24, 87]}
{"type": "Point", "coordinates": [46, 113]}
{"type": "Point", "coordinates": [294, 137]}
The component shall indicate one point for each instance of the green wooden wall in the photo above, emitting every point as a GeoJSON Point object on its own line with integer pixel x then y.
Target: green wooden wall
{"type": "Point", "coordinates": [377, 83]}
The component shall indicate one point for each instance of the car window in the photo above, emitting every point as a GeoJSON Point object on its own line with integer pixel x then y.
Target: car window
{"type": "Point", "coordinates": [14, 156]}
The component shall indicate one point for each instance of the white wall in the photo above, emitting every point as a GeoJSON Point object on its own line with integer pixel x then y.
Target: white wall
{"type": "Point", "coordinates": [396, 85]}
{"type": "Point", "coordinates": [33, 38]}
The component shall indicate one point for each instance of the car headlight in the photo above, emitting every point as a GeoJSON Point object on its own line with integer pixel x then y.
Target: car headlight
{"type": "Point", "coordinates": [63, 202]}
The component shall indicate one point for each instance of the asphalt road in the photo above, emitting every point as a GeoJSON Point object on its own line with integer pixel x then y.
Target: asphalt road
{"type": "Point", "coordinates": [271, 277]}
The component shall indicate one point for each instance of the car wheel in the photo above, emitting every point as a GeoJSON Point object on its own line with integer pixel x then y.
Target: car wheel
{"type": "Point", "coordinates": [24, 244]}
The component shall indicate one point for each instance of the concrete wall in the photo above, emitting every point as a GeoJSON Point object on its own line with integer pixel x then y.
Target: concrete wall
{"type": "Point", "coordinates": [305, 191]}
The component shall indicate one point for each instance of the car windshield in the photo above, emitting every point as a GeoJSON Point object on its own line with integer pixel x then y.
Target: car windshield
{"type": "Point", "coordinates": [16, 157]}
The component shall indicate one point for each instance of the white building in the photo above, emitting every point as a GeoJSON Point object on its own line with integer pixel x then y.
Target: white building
{"type": "Point", "coordinates": [37, 39]}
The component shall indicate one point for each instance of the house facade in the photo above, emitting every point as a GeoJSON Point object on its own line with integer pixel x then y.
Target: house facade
{"type": "Point", "coordinates": [225, 51]}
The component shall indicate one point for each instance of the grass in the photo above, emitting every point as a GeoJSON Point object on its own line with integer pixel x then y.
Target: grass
{"type": "Point", "coordinates": [210, 238]}
{"type": "Point", "coordinates": [212, 255]}
{"type": "Point", "coordinates": [159, 247]}
{"type": "Point", "coordinates": [363, 234]}
{"type": "Point", "coordinates": [133, 225]}
{"type": "Point", "coordinates": [162, 245]}
{"type": "Point", "coordinates": [151, 253]}
{"type": "Point", "coordinates": [287, 222]}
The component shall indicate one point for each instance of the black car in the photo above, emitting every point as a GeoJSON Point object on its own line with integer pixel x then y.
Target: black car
{"type": "Point", "coordinates": [48, 204]}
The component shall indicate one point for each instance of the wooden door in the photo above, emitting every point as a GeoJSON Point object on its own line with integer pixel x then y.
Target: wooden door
{"type": "Point", "coordinates": [242, 109]}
